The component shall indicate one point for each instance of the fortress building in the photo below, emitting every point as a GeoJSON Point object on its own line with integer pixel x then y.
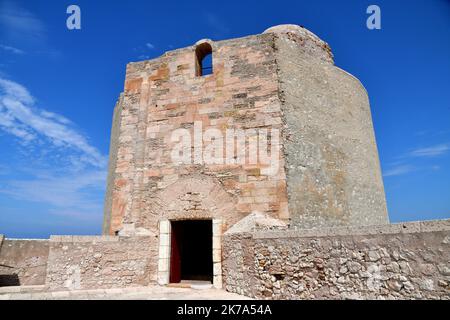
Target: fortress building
{"type": "Point", "coordinates": [250, 163]}
{"type": "Point", "coordinates": [284, 80]}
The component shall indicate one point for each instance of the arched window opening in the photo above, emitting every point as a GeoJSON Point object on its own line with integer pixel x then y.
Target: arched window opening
{"type": "Point", "coordinates": [204, 59]}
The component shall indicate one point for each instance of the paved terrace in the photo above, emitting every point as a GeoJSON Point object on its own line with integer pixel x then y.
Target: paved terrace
{"type": "Point", "coordinates": [134, 293]}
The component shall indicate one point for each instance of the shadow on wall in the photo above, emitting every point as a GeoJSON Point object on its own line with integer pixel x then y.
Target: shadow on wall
{"type": "Point", "coordinates": [8, 280]}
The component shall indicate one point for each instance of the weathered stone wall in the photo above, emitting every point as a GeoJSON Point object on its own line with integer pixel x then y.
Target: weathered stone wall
{"type": "Point", "coordinates": [283, 79]}
{"type": "Point", "coordinates": [23, 262]}
{"type": "Point", "coordinates": [101, 262]}
{"type": "Point", "coordinates": [404, 261]}
{"type": "Point", "coordinates": [112, 166]}
{"type": "Point", "coordinates": [164, 94]}
{"type": "Point", "coordinates": [332, 166]}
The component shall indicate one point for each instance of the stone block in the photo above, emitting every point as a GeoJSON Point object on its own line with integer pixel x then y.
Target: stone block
{"type": "Point", "coordinates": [436, 225]}
{"type": "Point", "coordinates": [164, 239]}
{"type": "Point", "coordinates": [164, 252]}
{"type": "Point", "coordinates": [217, 281]}
{"type": "Point", "coordinates": [164, 227]}
{"type": "Point", "coordinates": [217, 255]}
{"type": "Point", "coordinates": [163, 278]}
{"type": "Point", "coordinates": [217, 243]}
{"type": "Point", "coordinates": [217, 227]}
{"type": "Point", "coordinates": [163, 265]}
{"type": "Point", "coordinates": [217, 269]}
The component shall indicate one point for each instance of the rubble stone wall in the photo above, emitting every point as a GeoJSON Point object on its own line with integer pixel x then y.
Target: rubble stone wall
{"type": "Point", "coordinates": [23, 262]}
{"type": "Point", "coordinates": [89, 262]}
{"type": "Point", "coordinates": [404, 261]}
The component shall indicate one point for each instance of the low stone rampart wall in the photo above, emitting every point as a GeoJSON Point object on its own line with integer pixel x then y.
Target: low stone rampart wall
{"type": "Point", "coordinates": [398, 261]}
{"type": "Point", "coordinates": [87, 262]}
{"type": "Point", "coordinates": [23, 262]}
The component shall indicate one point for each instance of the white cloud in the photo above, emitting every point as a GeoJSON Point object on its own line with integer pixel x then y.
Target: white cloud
{"type": "Point", "coordinates": [63, 191]}
{"type": "Point", "coordinates": [12, 49]}
{"type": "Point", "coordinates": [54, 116]}
{"type": "Point", "coordinates": [430, 151]}
{"type": "Point", "coordinates": [62, 170]}
{"type": "Point", "coordinates": [20, 117]}
{"type": "Point", "coordinates": [72, 195]}
{"type": "Point", "coordinates": [401, 166]}
{"type": "Point", "coordinates": [150, 45]}
{"type": "Point", "coordinates": [398, 170]}
{"type": "Point", "coordinates": [18, 23]}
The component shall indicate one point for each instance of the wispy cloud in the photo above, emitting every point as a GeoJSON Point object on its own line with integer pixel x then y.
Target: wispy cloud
{"type": "Point", "coordinates": [76, 196]}
{"type": "Point", "coordinates": [21, 28]}
{"type": "Point", "coordinates": [3, 169]}
{"type": "Point", "coordinates": [143, 50]}
{"type": "Point", "coordinates": [219, 27]}
{"type": "Point", "coordinates": [72, 191]}
{"type": "Point", "coordinates": [62, 169]}
{"type": "Point", "coordinates": [20, 117]}
{"type": "Point", "coordinates": [432, 151]}
{"type": "Point", "coordinates": [417, 160]}
{"type": "Point", "coordinates": [12, 49]}
{"type": "Point", "coordinates": [398, 170]}
{"type": "Point", "coordinates": [18, 23]}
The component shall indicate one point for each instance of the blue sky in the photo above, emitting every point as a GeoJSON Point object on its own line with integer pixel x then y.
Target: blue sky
{"type": "Point", "coordinates": [58, 89]}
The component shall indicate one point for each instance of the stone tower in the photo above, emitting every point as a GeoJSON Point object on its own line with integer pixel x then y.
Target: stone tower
{"type": "Point", "coordinates": [282, 81]}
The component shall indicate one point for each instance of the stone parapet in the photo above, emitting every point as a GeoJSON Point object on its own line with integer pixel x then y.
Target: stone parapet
{"type": "Point", "coordinates": [402, 261]}
{"type": "Point", "coordinates": [88, 262]}
{"type": "Point", "coordinates": [23, 262]}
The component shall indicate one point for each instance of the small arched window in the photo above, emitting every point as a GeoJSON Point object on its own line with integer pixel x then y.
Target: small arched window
{"type": "Point", "coordinates": [203, 59]}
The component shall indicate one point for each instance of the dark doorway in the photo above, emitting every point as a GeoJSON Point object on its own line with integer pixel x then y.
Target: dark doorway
{"type": "Point", "coordinates": [7, 280]}
{"type": "Point", "coordinates": [191, 251]}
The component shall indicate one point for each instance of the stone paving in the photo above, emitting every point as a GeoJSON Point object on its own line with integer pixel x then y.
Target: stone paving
{"type": "Point", "coordinates": [134, 293]}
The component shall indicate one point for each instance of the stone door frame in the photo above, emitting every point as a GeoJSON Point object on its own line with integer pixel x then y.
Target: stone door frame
{"type": "Point", "coordinates": [165, 232]}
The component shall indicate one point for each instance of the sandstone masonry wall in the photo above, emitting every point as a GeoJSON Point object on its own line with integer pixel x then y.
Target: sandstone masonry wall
{"type": "Point", "coordinates": [283, 79]}
{"type": "Point", "coordinates": [163, 95]}
{"type": "Point", "coordinates": [404, 261]}
{"type": "Point", "coordinates": [23, 262]}
{"type": "Point", "coordinates": [87, 262]}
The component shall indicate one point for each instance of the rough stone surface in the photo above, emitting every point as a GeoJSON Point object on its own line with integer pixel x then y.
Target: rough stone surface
{"type": "Point", "coordinates": [112, 165]}
{"type": "Point", "coordinates": [23, 262]}
{"type": "Point", "coordinates": [317, 228]}
{"type": "Point", "coordinates": [389, 265]}
{"type": "Point", "coordinates": [333, 173]}
{"type": "Point", "coordinates": [164, 94]}
{"type": "Point", "coordinates": [283, 79]}
{"type": "Point", "coordinates": [101, 262]}
{"type": "Point", "coordinates": [131, 293]}
{"type": "Point", "coordinates": [256, 222]}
